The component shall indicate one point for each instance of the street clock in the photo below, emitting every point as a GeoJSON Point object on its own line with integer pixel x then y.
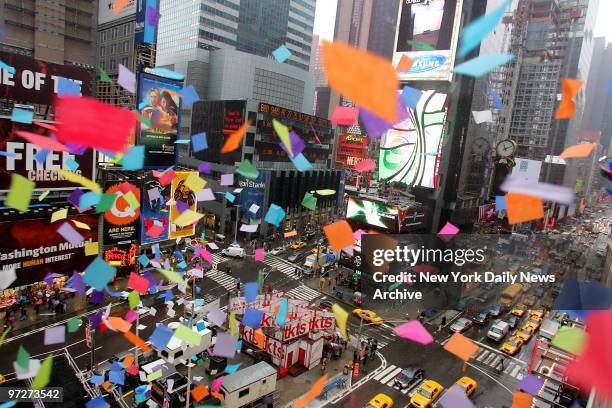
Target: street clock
{"type": "Point", "coordinates": [505, 148]}
{"type": "Point", "coordinates": [480, 146]}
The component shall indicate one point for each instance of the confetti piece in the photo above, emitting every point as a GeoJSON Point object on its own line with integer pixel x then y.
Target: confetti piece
{"type": "Point", "coordinates": [479, 28]}
{"type": "Point", "coordinates": [404, 64]}
{"type": "Point", "coordinates": [187, 217]}
{"type": "Point", "coordinates": [23, 358]}
{"type": "Point", "coordinates": [461, 346]}
{"type": "Point", "coordinates": [70, 234]}
{"type": "Point", "coordinates": [98, 274]}
{"type": "Point", "coordinates": [246, 169]}
{"type": "Point", "coordinates": [189, 96]}
{"type": "Point", "coordinates": [447, 232]}
{"type": "Point", "coordinates": [7, 68]}
{"type": "Point", "coordinates": [59, 215]}
{"type": "Point", "coordinates": [42, 141]}
{"type": "Point", "coordinates": [44, 374]}
{"type": "Point", "coordinates": [522, 208]}
{"type": "Point", "coordinates": [521, 400]}
{"type": "Point", "coordinates": [173, 276]}
{"type": "Point", "coordinates": [421, 45]}
{"type": "Point", "coordinates": [67, 86]}
{"type": "Point", "coordinates": [227, 179]}
{"type": "Point", "coordinates": [301, 163]}
{"type": "Point", "coordinates": [165, 177]}
{"type": "Point", "coordinates": [118, 324]}
{"type": "Point", "coordinates": [297, 145]}
{"type": "Point", "coordinates": [260, 255]}
{"type": "Point", "coordinates": [309, 201]}
{"type": "Point", "coordinates": [204, 168]}
{"type": "Point", "coordinates": [82, 120]}
{"type": "Point", "coordinates": [570, 339]}
{"type": "Point", "coordinates": [81, 225]}
{"type": "Point", "coordinates": [567, 107]}
{"type": "Point", "coordinates": [104, 76]}
{"type": "Point", "coordinates": [235, 139]}
{"type": "Point", "coordinates": [545, 191]}
{"type": "Point", "coordinates": [43, 195]}
{"type": "Point", "coordinates": [283, 133]}
{"type": "Point", "coordinates": [411, 96]}
{"type": "Point", "coordinates": [315, 391]}
{"type": "Point", "coordinates": [414, 331]}
{"type": "Point", "coordinates": [78, 179]}
{"type": "Point", "coordinates": [366, 79]}
{"type": "Point", "coordinates": [365, 165]}
{"type": "Point", "coordinates": [74, 324]}
{"type": "Point", "coordinates": [20, 193]}
{"type": "Point", "coordinates": [137, 341]}
{"type": "Point", "coordinates": [344, 115]}
{"type": "Point", "coordinates": [199, 142]}
{"type": "Point", "coordinates": [479, 66]}
{"type": "Point", "coordinates": [138, 283]}
{"type": "Point", "coordinates": [339, 234]}
{"type": "Point", "coordinates": [281, 54]}
{"type": "Point", "coordinates": [274, 215]}
{"type": "Point", "coordinates": [341, 319]}
{"type": "Point", "coordinates": [199, 393]}
{"type": "Point", "coordinates": [578, 150]}
{"type": "Point", "coordinates": [119, 5]}
{"type": "Point", "coordinates": [483, 116]}
{"type": "Point", "coordinates": [225, 345]}
{"type": "Point", "coordinates": [153, 16]}
{"type": "Point", "coordinates": [55, 335]}
{"type": "Point", "coordinates": [455, 397]}
{"type": "Point", "coordinates": [22, 115]}
{"type": "Point", "coordinates": [531, 384]}
{"type": "Point", "coordinates": [133, 159]}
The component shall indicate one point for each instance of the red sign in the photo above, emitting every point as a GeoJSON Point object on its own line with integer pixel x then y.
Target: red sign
{"type": "Point", "coordinates": [351, 150]}
{"type": "Point", "coordinates": [272, 346]}
{"type": "Point", "coordinates": [355, 370]}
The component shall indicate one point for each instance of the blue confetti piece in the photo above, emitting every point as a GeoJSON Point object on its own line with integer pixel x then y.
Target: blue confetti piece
{"type": "Point", "coordinates": [478, 29]}
{"type": "Point", "coordinates": [281, 54]}
{"type": "Point", "coordinates": [481, 65]}
{"type": "Point", "coordinates": [189, 95]}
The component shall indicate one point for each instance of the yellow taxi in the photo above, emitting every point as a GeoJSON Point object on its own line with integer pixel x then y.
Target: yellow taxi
{"type": "Point", "coordinates": [525, 333]}
{"type": "Point", "coordinates": [537, 313]}
{"type": "Point", "coordinates": [426, 394]}
{"type": "Point", "coordinates": [519, 310]}
{"type": "Point", "coordinates": [534, 323]}
{"type": "Point", "coordinates": [380, 401]}
{"type": "Point", "coordinates": [368, 315]}
{"type": "Point", "coordinates": [467, 384]}
{"type": "Point", "coordinates": [512, 345]}
{"type": "Point", "coordinates": [537, 262]}
{"type": "Point", "coordinates": [2, 379]}
{"type": "Point", "coordinates": [298, 245]}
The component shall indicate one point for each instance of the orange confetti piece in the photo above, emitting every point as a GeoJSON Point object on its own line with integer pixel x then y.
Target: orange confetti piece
{"type": "Point", "coordinates": [404, 64]}
{"type": "Point", "coordinates": [367, 79]}
{"type": "Point", "coordinates": [119, 5]}
{"type": "Point", "coordinates": [522, 208]}
{"type": "Point", "coordinates": [461, 346]}
{"type": "Point", "coordinates": [234, 140]}
{"type": "Point", "coordinates": [128, 360]}
{"type": "Point", "coordinates": [137, 341]}
{"type": "Point", "coordinates": [260, 338]}
{"type": "Point", "coordinates": [579, 150]}
{"type": "Point", "coordinates": [339, 234]}
{"type": "Point", "coordinates": [119, 324]}
{"type": "Point", "coordinates": [567, 107]}
{"type": "Point", "coordinates": [199, 392]}
{"type": "Point", "coordinates": [217, 395]}
{"type": "Point", "coordinates": [521, 400]}
{"type": "Point", "coordinates": [314, 392]}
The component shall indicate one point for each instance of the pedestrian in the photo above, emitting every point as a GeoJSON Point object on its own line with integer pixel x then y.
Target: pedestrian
{"type": "Point", "coordinates": [24, 314]}
{"type": "Point", "coordinates": [443, 321]}
{"type": "Point", "coordinates": [501, 362]}
{"type": "Point", "coordinates": [355, 355]}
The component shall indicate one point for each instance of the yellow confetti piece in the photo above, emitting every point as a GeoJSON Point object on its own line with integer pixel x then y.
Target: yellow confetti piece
{"type": "Point", "coordinates": [91, 248]}
{"type": "Point", "coordinates": [43, 195]}
{"type": "Point", "coordinates": [81, 225]}
{"type": "Point", "coordinates": [59, 215]}
{"type": "Point", "coordinates": [187, 217]}
{"type": "Point", "coordinates": [85, 182]}
{"type": "Point", "coordinates": [341, 318]}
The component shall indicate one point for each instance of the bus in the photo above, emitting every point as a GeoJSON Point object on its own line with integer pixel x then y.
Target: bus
{"type": "Point", "coordinates": [510, 295]}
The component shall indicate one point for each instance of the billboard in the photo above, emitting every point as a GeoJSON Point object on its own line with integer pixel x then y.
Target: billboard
{"type": "Point", "coordinates": [106, 13]}
{"type": "Point", "coordinates": [218, 119]}
{"type": "Point", "coordinates": [23, 159]}
{"type": "Point", "coordinates": [372, 213]}
{"type": "Point", "coordinates": [153, 209]}
{"type": "Point", "coordinates": [121, 221]}
{"type": "Point", "coordinates": [180, 192]}
{"type": "Point", "coordinates": [410, 150]}
{"type": "Point", "coordinates": [146, 25]}
{"type": "Point", "coordinates": [528, 170]}
{"type": "Point", "coordinates": [434, 23]}
{"type": "Point", "coordinates": [253, 192]}
{"type": "Point", "coordinates": [159, 102]}
{"type": "Point", "coordinates": [351, 150]}
{"type": "Point", "coordinates": [35, 81]}
{"type": "Point", "coordinates": [21, 248]}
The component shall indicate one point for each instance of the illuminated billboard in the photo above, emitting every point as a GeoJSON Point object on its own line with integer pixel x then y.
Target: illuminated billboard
{"type": "Point", "coordinates": [372, 213]}
{"type": "Point", "coordinates": [410, 150]}
{"type": "Point", "coordinates": [351, 150]}
{"type": "Point", "coordinates": [427, 32]}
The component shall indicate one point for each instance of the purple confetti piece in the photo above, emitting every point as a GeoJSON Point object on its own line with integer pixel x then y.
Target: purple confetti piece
{"type": "Point", "coordinates": [181, 206]}
{"type": "Point", "coordinates": [204, 167]}
{"type": "Point", "coordinates": [297, 144]}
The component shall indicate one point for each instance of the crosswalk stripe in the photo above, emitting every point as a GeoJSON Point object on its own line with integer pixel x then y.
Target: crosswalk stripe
{"type": "Point", "coordinates": [391, 375]}
{"type": "Point", "coordinates": [482, 355]}
{"type": "Point", "coordinates": [510, 367]}
{"type": "Point", "coordinates": [515, 371]}
{"type": "Point", "coordinates": [496, 361]}
{"type": "Point", "coordinates": [489, 359]}
{"type": "Point", "coordinates": [519, 376]}
{"type": "Point", "coordinates": [384, 372]}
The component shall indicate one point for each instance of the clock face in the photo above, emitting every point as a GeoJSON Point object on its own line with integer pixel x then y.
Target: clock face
{"type": "Point", "coordinates": [480, 146]}
{"type": "Point", "coordinates": [505, 148]}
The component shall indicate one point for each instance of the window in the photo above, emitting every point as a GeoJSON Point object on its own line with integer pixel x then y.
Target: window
{"type": "Point", "coordinates": [178, 354]}
{"type": "Point", "coordinates": [243, 393]}
{"type": "Point", "coordinates": [264, 380]}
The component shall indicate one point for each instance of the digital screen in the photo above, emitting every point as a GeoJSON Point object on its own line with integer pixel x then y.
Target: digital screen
{"type": "Point", "coordinates": [410, 150]}
{"type": "Point", "coordinates": [427, 32]}
{"type": "Point", "coordinates": [372, 213]}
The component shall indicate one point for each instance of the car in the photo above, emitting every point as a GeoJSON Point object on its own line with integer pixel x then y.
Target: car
{"type": "Point", "coordinates": [519, 310]}
{"type": "Point", "coordinates": [298, 245]}
{"type": "Point", "coordinates": [498, 330]}
{"type": "Point", "coordinates": [495, 310]}
{"type": "Point", "coordinates": [426, 394]}
{"type": "Point", "coordinates": [368, 315]}
{"type": "Point", "coordinates": [277, 250]}
{"type": "Point", "coordinates": [380, 401]}
{"type": "Point", "coordinates": [534, 323]}
{"type": "Point", "coordinates": [530, 300]}
{"type": "Point", "coordinates": [512, 345]}
{"type": "Point", "coordinates": [467, 384]}
{"type": "Point", "coordinates": [537, 313]}
{"type": "Point", "coordinates": [295, 257]}
{"type": "Point", "coordinates": [525, 333]}
{"type": "Point", "coordinates": [460, 325]}
{"type": "Point", "coordinates": [408, 376]}
{"type": "Point", "coordinates": [512, 320]}
{"type": "Point", "coordinates": [234, 251]}
{"type": "Point", "coordinates": [481, 318]}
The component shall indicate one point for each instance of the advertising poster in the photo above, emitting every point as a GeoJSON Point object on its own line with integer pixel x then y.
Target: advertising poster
{"type": "Point", "coordinates": [159, 102]}
{"type": "Point", "coordinates": [253, 192]}
{"type": "Point", "coordinates": [153, 209]}
{"type": "Point", "coordinates": [180, 192]}
{"type": "Point", "coordinates": [22, 249]}
{"type": "Point", "coordinates": [373, 213]}
{"type": "Point", "coordinates": [434, 23]}
{"type": "Point", "coordinates": [107, 14]}
{"type": "Point", "coordinates": [121, 221]}
{"type": "Point", "coordinates": [24, 161]}
{"type": "Point", "coordinates": [35, 81]}
{"type": "Point", "coordinates": [410, 150]}
{"type": "Point", "coordinates": [525, 169]}
{"type": "Point", "coordinates": [351, 150]}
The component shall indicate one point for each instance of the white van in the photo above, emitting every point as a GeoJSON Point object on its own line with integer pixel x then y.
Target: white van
{"type": "Point", "coordinates": [498, 330]}
{"type": "Point", "coordinates": [234, 251]}
{"type": "Point", "coordinates": [177, 350]}
{"type": "Point", "coordinates": [248, 385]}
